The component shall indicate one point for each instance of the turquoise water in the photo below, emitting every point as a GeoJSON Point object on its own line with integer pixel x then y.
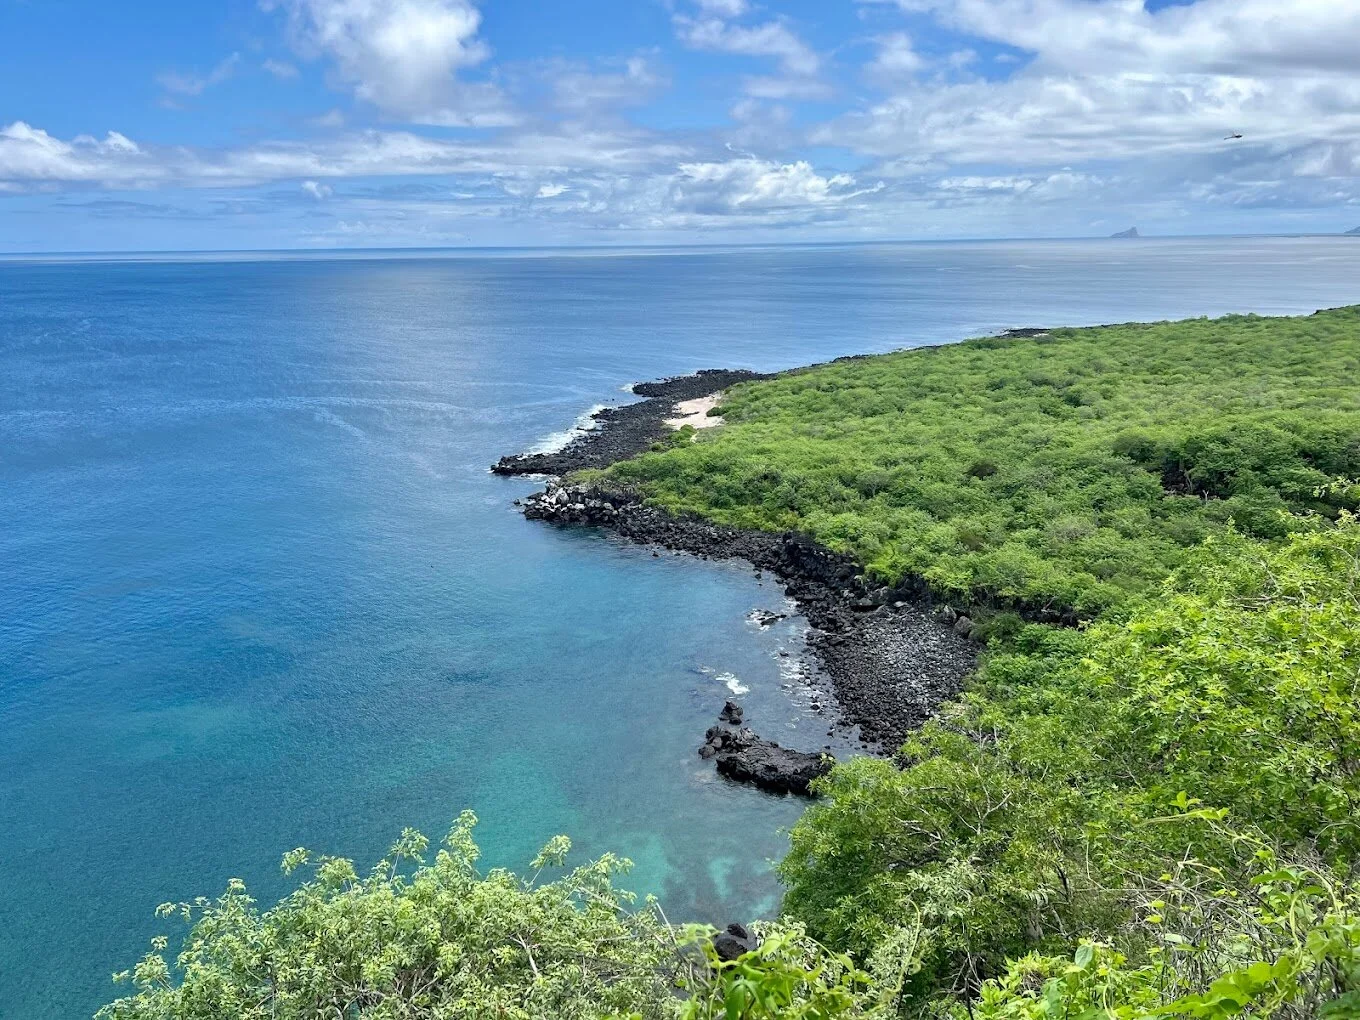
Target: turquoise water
{"type": "Point", "coordinates": [258, 590]}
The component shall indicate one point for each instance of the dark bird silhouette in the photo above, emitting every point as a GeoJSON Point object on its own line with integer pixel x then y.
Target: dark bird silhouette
{"type": "Point", "coordinates": [1232, 136]}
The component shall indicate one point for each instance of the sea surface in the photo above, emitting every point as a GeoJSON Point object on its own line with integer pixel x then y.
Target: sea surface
{"type": "Point", "coordinates": [259, 591]}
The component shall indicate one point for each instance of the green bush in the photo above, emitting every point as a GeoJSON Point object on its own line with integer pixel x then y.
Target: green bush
{"type": "Point", "coordinates": [1073, 470]}
{"type": "Point", "coordinates": [1024, 813]}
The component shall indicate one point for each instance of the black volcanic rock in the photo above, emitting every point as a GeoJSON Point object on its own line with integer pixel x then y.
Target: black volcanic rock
{"type": "Point", "coordinates": [735, 941]}
{"type": "Point", "coordinates": [890, 668]}
{"type": "Point", "coordinates": [765, 764]}
{"type": "Point", "coordinates": [623, 432]}
{"type": "Point", "coordinates": [746, 758]}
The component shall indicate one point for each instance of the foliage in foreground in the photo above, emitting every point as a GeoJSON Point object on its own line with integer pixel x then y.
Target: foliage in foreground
{"type": "Point", "coordinates": [1029, 815]}
{"type": "Point", "coordinates": [1072, 469]}
{"type": "Point", "coordinates": [1283, 939]}
{"type": "Point", "coordinates": [439, 941]}
{"type": "Point", "coordinates": [414, 940]}
{"type": "Point", "coordinates": [1036, 858]}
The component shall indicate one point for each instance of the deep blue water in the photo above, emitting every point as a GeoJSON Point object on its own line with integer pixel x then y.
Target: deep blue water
{"type": "Point", "coordinates": [258, 590]}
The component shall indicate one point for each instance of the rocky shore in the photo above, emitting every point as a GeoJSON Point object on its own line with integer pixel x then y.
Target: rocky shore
{"type": "Point", "coordinates": [623, 432]}
{"type": "Point", "coordinates": [891, 655]}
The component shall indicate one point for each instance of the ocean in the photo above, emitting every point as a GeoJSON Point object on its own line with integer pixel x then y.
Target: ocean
{"type": "Point", "coordinates": [258, 589]}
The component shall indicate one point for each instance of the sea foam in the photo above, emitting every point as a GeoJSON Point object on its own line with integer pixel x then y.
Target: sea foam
{"type": "Point", "coordinates": [585, 422]}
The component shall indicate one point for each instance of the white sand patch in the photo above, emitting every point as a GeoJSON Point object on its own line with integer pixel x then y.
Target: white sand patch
{"type": "Point", "coordinates": [695, 413]}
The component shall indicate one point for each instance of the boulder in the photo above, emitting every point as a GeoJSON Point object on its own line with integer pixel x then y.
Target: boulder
{"type": "Point", "coordinates": [765, 617]}
{"type": "Point", "coordinates": [731, 713]}
{"type": "Point", "coordinates": [765, 764]}
{"type": "Point", "coordinates": [734, 941]}
{"type": "Point", "coordinates": [963, 626]}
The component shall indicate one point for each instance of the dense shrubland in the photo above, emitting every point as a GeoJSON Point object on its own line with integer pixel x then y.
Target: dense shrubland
{"type": "Point", "coordinates": [1075, 468]}
{"type": "Point", "coordinates": [1151, 816]}
{"type": "Point", "coordinates": [1048, 801]}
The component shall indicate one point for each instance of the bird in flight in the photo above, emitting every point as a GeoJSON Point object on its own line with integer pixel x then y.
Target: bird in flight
{"type": "Point", "coordinates": [1235, 134]}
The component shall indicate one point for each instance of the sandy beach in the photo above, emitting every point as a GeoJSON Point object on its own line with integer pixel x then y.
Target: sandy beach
{"type": "Point", "coordinates": [695, 413]}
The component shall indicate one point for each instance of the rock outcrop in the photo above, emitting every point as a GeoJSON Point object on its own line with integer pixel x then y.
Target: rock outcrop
{"type": "Point", "coordinates": [743, 756]}
{"type": "Point", "coordinates": [891, 662]}
{"type": "Point", "coordinates": [734, 941]}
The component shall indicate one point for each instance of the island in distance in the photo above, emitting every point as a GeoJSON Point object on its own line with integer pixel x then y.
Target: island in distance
{"type": "Point", "coordinates": [1131, 232]}
{"type": "Point", "coordinates": [1353, 230]}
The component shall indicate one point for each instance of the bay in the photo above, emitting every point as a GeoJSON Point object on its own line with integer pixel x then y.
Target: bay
{"type": "Point", "coordinates": [258, 589]}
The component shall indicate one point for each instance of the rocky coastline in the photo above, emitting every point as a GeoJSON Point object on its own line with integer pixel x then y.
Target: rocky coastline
{"type": "Point", "coordinates": [891, 655]}
{"type": "Point", "coordinates": [625, 431]}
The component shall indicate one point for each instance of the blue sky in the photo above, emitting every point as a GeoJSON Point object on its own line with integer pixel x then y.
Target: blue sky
{"type": "Point", "coordinates": [354, 123]}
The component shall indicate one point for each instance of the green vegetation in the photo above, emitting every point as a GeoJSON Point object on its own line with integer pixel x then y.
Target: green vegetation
{"type": "Point", "coordinates": [1035, 808]}
{"type": "Point", "coordinates": [1073, 469]}
{"type": "Point", "coordinates": [439, 940]}
{"type": "Point", "coordinates": [1151, 816]}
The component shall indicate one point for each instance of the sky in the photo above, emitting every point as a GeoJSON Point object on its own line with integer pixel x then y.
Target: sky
{"type": "Point", "coordinates": [248, 124]}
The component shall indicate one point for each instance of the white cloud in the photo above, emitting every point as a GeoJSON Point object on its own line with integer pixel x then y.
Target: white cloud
{"type": "Point", "coordinates": [31, 155]}
{"type": "Point", "coordinates": [1110, 80]}
{"type": "Point", "coordinates": [280, 69]}
{"type": "Point", "coordinates": [896, 58]}
{"type": "Point", "coordinates": [190, 84]}
{"type": "Point", "coordinates": [748, 183]}
{"type": "Point", "coordinates": [403, 56]}
{"type": "Point", "coordinates": [724, 8]}
{"type": "Point", "coordinates": [771, 39]}
{"type": "Point", "coordinates": [713, 30]}
{"type": "Point", "coordinates": [1108, 110]}
{"type": "Point", "coordinates": [578, 88]}
{"type": "Point", "coordinates": [1234, 37]}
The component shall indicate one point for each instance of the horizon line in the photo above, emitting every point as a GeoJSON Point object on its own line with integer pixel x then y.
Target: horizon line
{"type": "Point", "coordinates": [675, 246]}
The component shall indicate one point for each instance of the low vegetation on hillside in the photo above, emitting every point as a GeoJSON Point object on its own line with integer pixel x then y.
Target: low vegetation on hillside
{"type": "Point", "coordinates": [1154, 815]}
{"type": "Point", "coordinates": [1073, 468]}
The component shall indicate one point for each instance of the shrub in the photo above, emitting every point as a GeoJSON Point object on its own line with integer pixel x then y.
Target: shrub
{"type": "Point", "coordinates": [1152, 428]}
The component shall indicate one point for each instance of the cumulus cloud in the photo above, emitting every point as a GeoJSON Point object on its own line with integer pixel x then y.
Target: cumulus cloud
{"type": "Point", "coordinates": [771, 39]}
{"type": "Point", "coordinates": [748, 183]}
{"type": "Point", "coordinates": [724, 8]}
{"type": "Point", "coordinates": [576, 87]}
{"type": "Point", "coordinates": [713, 29]}
{"type": "Point", "coordinates": [896, 58]}
{"type": "Point", "coordinates": [1100, 105]}
{"type": "Point", "coordinates": [403, 56]}
{"type": "Point", "coordinates": [29, 155]}
{"type": "Point", "coordinates": [1232, 37]}
{"type": "Point", "coordinates": [1109, 79]}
